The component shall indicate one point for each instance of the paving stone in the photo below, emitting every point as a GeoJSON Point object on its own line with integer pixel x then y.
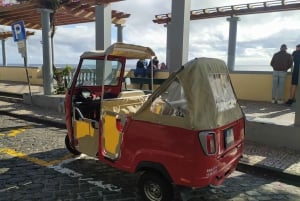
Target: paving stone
{"type": "Point", "coordinates": [264, 198]}
{"type": "Point", "coordinates": [252, 193]}
{"type": "Point", "coordinates": [24, 180]}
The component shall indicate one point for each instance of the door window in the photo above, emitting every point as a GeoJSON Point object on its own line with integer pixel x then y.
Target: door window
{"type": "Point", "coordinates": [172, 102]}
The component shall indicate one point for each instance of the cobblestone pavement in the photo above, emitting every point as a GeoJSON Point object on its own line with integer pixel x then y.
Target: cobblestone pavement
{"type": "Point", "coordinates": [279, 159]}
{"type": "Point", "coordinates": [34, 165]}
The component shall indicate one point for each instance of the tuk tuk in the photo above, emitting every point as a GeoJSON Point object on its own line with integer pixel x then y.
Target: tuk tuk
{"type": "Point", "coordinates": [188, 132]}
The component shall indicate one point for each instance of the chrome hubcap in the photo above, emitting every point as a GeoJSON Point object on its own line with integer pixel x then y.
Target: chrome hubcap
{"type": "Point", "coordinates": [153, 191]}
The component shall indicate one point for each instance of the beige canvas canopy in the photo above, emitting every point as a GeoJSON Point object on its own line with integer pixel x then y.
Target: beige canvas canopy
{"type": "Point", "coordinates": [129, 51]}
{"type": "Point", "coordinates": [209, 96]}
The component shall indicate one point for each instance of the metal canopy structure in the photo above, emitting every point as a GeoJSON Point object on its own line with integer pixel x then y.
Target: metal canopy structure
{"type": "Point", "coordinates": [79, 11]}
{"type": "Point", "coordinates": [8, 34]}
{"type": "Point", "coordinates": [242, 9]}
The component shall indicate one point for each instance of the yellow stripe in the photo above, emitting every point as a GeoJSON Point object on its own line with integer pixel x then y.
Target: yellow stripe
{"type": "Point", "coordinates": [24, 156]}
{"type": "Point", "coordinates": [54, 162]}
{"type": "Point", "coordinates": [40, 162]}
{"type": "Point", "coordinates": [13, 133]}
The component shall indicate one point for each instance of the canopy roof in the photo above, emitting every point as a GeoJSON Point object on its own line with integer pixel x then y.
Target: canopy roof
{"type": "Point", "coordinates": [79, 11]}
{"type": "Point", "coordinates": [129, 51]}
{"type": "Point", "coordinates": [210, 99]}
{"type": "Point", "coordinates": [236, 10]}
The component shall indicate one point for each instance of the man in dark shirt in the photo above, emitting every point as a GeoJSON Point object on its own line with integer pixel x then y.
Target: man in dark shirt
{"type": "Point", "coordinates": [281, 62]}
{"type": "Point", "coordinates": [151, 69]}
{"type": "Point", "coordinates": [295, 75]}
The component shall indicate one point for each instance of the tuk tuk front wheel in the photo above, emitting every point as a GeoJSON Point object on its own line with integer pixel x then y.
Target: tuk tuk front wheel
{"type": "Point", "coordinates": [154, 187]}
{"type": "Point", "coordinates": [70, 148]}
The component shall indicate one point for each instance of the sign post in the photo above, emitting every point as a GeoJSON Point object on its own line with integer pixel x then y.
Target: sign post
{"type": "Point", "coordinates": [19, 34]}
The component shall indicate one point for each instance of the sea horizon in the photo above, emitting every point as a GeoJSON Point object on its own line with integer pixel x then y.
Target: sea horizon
{"type": "Point", "coordinates": [130, 66]}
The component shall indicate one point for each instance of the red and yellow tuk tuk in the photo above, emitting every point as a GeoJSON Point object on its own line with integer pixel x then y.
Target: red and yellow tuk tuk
{"type": "Point", "coordinates": [188, 132]}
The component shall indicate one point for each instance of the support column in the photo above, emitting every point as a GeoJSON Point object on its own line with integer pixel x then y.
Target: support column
{"type": "Point", "coordinates": [178, 34]}
{"type": "Point", "coordinates": [120, 32]}
{"type": "Point", "coordinates": [47, 49]}
{"type": "Point", "coordinates": [3, 53]}
{"type": "Point", "coordinates": [103, 26]}
{"type": "Point", "coordinates": [103, 37]}
{"type": "Point", "coordinates": [232, 42]}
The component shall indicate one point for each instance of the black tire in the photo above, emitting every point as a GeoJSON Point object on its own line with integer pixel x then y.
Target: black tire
{"type": "Point", "coordinates": [70, 148]}
{"type": "Point", "coordinates": [154, 187]}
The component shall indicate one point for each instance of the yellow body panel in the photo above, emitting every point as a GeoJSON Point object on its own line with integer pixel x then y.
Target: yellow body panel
{"type": "Point", "coordinates": [87, 136]}
{"type": "Point", "coordinates": [111, 136]}
{"type": "Point", "coordinates": [83, 128]}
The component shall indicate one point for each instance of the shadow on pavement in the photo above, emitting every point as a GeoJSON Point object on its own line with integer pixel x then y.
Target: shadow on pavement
{"type": "Point", "coordinates": [89, 179]}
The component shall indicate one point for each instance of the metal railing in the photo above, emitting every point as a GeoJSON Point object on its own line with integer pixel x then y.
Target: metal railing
{"type": "Point", "coordinates": [85, 75]}
{"type": "Point", "coordinates": [242, 9]}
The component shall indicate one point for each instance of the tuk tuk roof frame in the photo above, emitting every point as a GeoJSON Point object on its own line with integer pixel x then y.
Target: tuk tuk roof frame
{"type": "Point", "coordinates": [129, 51]}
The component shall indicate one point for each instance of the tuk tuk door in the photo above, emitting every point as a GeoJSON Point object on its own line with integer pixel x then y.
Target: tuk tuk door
{"type": "Point", "coordinates": [86, 132]}
{"type": "Point", "coordinates": [111, 134]}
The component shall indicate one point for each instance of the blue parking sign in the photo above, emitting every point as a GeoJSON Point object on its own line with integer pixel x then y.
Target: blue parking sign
{"type": "Point", "coordinates": [18, 30]}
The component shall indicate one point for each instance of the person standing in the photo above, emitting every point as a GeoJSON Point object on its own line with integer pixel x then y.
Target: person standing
{"type": "Point", "coordinates": [295, 75]}
{"type": "Point", "coordinates": [140, 70]}
{"type": "Point", "coordinates": [151, 69]}
{"type": "Point", "coordinates": [152, 66]}
{"type": "Point", "coordinates": [281, 62]}
{"type": "Point", "coordinates": [163, 66]}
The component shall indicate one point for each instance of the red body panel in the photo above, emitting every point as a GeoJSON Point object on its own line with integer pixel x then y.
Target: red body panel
{"type": "Point", "coordinates": [179, 151]}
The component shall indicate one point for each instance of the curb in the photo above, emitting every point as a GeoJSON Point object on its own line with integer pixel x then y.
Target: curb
{"type": "Point", "coordinates": [12, 98]}
{"type": "Point", "coordinates": [269, 172]}
{"type": "Point", "coordinates": [35, 119]}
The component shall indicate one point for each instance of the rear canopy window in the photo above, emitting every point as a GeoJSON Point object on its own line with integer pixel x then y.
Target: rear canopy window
{"type": "Point", "coordinates": [222, 91]}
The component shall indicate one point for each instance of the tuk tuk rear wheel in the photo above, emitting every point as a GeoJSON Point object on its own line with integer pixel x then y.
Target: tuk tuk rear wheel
{"type": "Point", "coordinates": [70, 148]}
{"type": "Point", "coordinates": [154, 187]}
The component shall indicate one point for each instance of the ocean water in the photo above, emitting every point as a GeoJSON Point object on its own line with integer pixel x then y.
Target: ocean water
{"type": "Point", "coordinates": [40, 65]}
{"type": "Point", "coordinates": [237, 67]}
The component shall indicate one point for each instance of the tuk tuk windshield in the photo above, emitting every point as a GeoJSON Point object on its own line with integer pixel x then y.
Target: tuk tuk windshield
{"type": "Point", "coordinates": [92, 72]}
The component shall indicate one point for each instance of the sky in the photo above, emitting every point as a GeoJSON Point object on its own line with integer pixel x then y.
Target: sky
{"type": "Point", "coordinates": [259, 36]}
